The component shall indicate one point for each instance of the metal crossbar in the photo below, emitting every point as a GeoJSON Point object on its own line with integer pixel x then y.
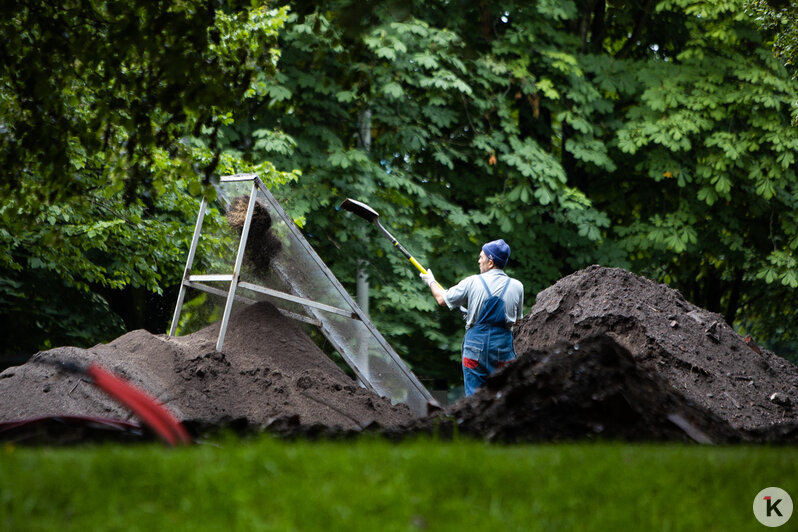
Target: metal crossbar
{"type": "Point", "coordinates": [249, 301]}
{"type": "Point", "coordinates": [342, 323]}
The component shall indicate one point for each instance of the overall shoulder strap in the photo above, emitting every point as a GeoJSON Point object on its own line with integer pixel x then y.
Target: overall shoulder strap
{"type": "Point", "coordinates": [505, 288]}
{"type": "Point", "coordinates": [484, 284]}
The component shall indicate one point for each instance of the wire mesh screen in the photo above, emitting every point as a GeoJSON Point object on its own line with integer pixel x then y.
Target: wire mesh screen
{"type": "Point", "coordinates": [281, 267]}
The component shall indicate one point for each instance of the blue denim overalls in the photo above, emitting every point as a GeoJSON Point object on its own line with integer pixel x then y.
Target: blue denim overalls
{"type": "Point", "coordinates": [488, 344]}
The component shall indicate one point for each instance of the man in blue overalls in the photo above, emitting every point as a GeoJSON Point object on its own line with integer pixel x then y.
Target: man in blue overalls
{"type": "Point", "coordinates": [494, 303]}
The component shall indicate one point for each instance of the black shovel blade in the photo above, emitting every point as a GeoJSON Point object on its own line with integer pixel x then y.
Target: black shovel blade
{"type": "Point", "coordinates": [361, 209]}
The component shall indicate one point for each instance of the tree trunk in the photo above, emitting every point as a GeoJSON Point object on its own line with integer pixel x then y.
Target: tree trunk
{"type": "Point", "coordinates": [640, 23]}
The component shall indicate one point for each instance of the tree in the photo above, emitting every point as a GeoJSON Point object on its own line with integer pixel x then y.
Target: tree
{"type": "Point", "coordinates": [109, 117]}
{"type": "Point", "coordinates": [654, 136]}
{"type": "Point", "coordinates": [779, 19]}
{"type": "Point", "coordinates": [441, 118]}
{"type": "Point", "coordinates": [710, 125]}
{"type": "Point", "coordinates": [94, 89]}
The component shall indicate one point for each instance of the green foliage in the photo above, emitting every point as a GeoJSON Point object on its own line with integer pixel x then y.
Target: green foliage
{"type": "Point", "coordinates": [779, 19]}
{"type": "Point", "coordinates": [658, 140]}
{"type": "Point", "coordinates": [266, 484]}
{"type": "Point", "coordinates": [93, 89]}
{"type": "Point", "coordinates": [60, 262]}
{"type": "Point", "coordinates": [657, 137]}
{"type": "Point", "coordinates": [448, 154]}
{"type": "Point", "coordinates": [109, 119]}
{"type": "Point", "coordinates": [720, 224]}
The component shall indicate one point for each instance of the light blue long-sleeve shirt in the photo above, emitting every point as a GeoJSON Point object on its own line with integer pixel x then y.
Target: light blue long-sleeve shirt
{"type": "Point", "coordinates": [471, 293]}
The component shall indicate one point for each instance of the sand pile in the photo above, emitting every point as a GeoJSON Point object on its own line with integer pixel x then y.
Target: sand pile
{"type": "Point", "coordinates": [270, 375]}
{"type": "Point", "coordinates": [605, 353]}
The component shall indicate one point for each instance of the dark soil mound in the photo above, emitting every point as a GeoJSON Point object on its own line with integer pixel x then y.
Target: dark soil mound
{"type": "Point", "coordinates": [606, 353]}
{"type": "Point", "coordinates": [570, 393]}
{"type": "Point", "coordinates": [270, 375]}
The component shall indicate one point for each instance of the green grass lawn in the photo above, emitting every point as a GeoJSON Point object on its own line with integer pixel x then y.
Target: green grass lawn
{"type": "Point", "coordinates": [373, 484]}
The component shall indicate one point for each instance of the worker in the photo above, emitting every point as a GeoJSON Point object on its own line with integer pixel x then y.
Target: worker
{"type": "Point", "coordinates": [493, 304]}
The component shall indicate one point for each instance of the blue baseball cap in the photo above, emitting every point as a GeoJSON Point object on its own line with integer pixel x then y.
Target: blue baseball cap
{"type": "Point", "coordinates": [498, 251]}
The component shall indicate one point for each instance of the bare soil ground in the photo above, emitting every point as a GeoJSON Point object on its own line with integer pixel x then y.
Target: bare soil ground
{"type": "Point", "coordinates": [602, 354]}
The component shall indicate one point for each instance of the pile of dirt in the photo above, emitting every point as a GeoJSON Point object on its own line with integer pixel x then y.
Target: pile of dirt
{"type": "Point", "coordinates": [270, 375]}
{"type": "Point", "coordinates": [605, 353]}
{"type": "Point", "coordinates": [602, 354]}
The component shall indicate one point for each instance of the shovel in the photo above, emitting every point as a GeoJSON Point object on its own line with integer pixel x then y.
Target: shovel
{"type": "Point", "coordinates": [369, 214]}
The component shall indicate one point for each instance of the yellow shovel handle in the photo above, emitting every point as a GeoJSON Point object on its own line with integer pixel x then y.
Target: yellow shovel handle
{"type": "Point", "coordinates": [417, 265]}
{"type": "Point", "coordinates": [422, 270]}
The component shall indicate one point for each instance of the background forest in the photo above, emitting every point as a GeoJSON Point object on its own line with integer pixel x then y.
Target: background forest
{"type": "Point", "coordinates": [659, 137]}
